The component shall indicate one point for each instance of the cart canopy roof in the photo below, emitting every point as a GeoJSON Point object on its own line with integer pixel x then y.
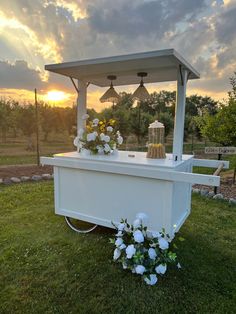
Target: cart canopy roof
{"type": "Point", "coordinates": [160, 65]}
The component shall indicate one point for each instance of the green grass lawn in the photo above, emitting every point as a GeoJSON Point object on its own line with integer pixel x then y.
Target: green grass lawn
{"type": "Point", "coordinates": [47, 268]}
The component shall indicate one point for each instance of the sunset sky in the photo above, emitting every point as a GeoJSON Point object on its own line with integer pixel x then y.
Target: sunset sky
{"type": "Point", "coordinates": [38, 32]}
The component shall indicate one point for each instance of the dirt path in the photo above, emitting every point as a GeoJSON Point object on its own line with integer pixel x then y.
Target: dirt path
{"type": "Point", "coordinates": [226, 188]}
{"type": "Point", "coordinates": [23, 170]}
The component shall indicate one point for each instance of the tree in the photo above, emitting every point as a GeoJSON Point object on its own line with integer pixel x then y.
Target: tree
{"type": "Point", "coordinates": [27, 123]}
{"type": "Point", "coordinates": [5, 111]}
{"type": "Point", "coordinates": [159, 102]}
{"type": "Point", "coordinates": [220, 128]}
{"type": "Point", "coordinates": [168, 121]}
{"type": "Point", "coordinates": [47, 119]}
{"type": "Point", "coordinates": [139, 123]}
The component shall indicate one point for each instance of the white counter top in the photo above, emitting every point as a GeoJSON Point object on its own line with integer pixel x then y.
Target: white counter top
{"type": "Point", "coordinates": [123, 157]}
{"type": "Point", "coordinates": [138, 166]}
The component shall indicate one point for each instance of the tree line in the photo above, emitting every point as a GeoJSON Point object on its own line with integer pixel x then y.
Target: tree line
{"type": "Point", "coordinates": [203, 117]}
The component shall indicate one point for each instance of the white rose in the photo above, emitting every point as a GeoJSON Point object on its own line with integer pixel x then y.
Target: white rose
{"type": "Point", "coordinates": [137, 223]}
{"type": "Point", "coordinates": [119, 234]}
{"type": "Point", "coordinates": [102, 136]}
{"type": "Point", "coordinates": [152, 280]}
{"type": "Point", "coordinates": [130, 251]}
{"type": "Point", "coordinates": [107, 148]}
{"type": "Point", "coordinates": [121, 226]}
{"type": "Point", "coordinates": [76, 141]}
{"type": "Point", "coordinates": [120, 140]}
{"type": "Point", "coordinates": [116, 254]}
{"type": "Point", "coordinates": [106, 138]}
{"type": "Point", "coordinates": [156, 235]}
{"type": "Point", "coordinates": [138, 236]}
{"type": "Point", "coordinates": [122, 246]}
{"type": "Point", "coordinates": [100, 149]}
{"type": "Point", "coordinates": [109, 129]}
{"type": "Point", "coordinates": [85, 116]}
{"type": "Point", "coordinates": [91, 137]}
{"type": "Point", "coordinates": [152, 253]}
{"type": "Point", "coordinates": [161, 269]}
{"type": "Point", "coordinates": [140, 269]}
{"type": "Point", "coordinates": [124, 266]}
{"type": "Point", "coordinates": [118, 242]}
{"type": "Point", "coordinates": [143, 217]}
{"type": "Point", "coordinates": [95, 122]}
{"type": "Point", "coordinates": [163, 244]}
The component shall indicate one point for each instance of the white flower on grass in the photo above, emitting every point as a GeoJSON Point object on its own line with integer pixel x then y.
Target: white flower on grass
{"type": "Point", "coordinates": [119, 233]}
{"type": "Point", "coordinates": [95, 122]}
{"type": "Point", "coordinates": [152, 280]}
{"type": "Point", "coordinates": [140, 269]}
{"type": "Point", "coordinates": [143, 217]}
{"type": "Point", "coordinates": [137, 223]}
{"type": "Point", "coordinates": [118, 242]}
{"type": "Point", "coordinates": [120, 140]}
{"type": "Point", "coordinates": [130, 251]}
{"type": "Point", "coordinates": [152, 253]}
{"type": "Point", "coordinates": [109, 129]}
{"type": "Point", "coordinates": [80, 133]}
{"type": "Point", "coordinates": [116, 254]}
{"type": "Point", "coordinates": [163, 244]}
{"type": "Point", "coordinates": [85, 116]}
{"type": "Point", "coordinates": [161, 269]}
{"type": "Point", "coordinates": [124, 266]}
{"type": "Point", "coordinates": [156, 235]}
{"type": "Point", "coordinates": [121, 227]}
{"type": "Point", "coordinates": [122, 246]}
{"type": "Point", "coordinates": [138, 236]}
{"type": "Point", "coordinates": [107, 148]}
{"type": "Point", "coordinates": [106, 138]}
{"type": "Point", "coordinates": [76, 141]}
{"type": "Point", "coordinates": [179, 266]}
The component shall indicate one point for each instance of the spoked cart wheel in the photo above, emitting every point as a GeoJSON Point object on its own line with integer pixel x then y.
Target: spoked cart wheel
{"type": "Point", "coordinates": [76, 229]}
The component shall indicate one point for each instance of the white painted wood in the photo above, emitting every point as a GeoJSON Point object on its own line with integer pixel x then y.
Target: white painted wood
{"type": "Point", "coordinates": [123, 158]}
{"type": "Point", "coordinates": [142, 171]}
{"type": "Point", "coordinates": [160, 65]}
{"type": "Point", "coordinates": [81, 104]}
{"type": "Point", "coordinates": [210, 163]}
{"type": "Point", "coordinates": [179, 115]}
{"type": "Point", "coordinates": [101, 197]}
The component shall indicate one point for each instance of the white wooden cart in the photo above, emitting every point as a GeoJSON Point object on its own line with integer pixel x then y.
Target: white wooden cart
{"type": "Point", "coordinates": [101, 189]}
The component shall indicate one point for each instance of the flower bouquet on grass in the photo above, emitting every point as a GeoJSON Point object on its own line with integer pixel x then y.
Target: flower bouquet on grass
{"type": "Point", "coordinates": [144, 254]}
{"type": "Point", "coordinates": [98, 137]}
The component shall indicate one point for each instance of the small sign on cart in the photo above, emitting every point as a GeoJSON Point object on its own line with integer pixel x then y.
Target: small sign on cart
{"type": "Point", "coordinates": [220, 150]}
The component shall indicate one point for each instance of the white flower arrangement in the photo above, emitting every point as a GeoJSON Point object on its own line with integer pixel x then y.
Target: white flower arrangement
{"type": "Point", "coordinates": [98, 137]}
{"type": "Point", "coordinates": [143, 253]}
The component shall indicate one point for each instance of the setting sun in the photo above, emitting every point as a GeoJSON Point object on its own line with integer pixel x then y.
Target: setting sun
{"type": "Point", "coordinates": [55, 95]}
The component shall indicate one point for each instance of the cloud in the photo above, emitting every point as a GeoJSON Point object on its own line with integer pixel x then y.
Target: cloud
{"type": "Point", "coordinates": [50, 31]}
{"type": "Point", "coordinates": [19, 75]}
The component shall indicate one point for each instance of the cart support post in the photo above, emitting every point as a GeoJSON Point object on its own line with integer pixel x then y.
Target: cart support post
{"type": "Point", "coordinates": [81, 104]}
{"type": "Point", "coordinates": [179, 114]}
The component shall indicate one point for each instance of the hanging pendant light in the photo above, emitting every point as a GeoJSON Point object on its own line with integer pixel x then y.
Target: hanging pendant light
{"type": "Point", "coordinates": [141, 93]}
{"type": "Point", "coordinates": [110, 95]}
